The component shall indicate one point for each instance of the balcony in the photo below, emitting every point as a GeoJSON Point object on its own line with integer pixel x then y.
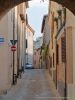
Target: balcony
{"type": "Point", "coordinates": [61, 27]}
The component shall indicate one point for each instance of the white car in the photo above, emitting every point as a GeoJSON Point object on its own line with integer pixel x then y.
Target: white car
{"type": "Point", "coordinates": [29, 66]}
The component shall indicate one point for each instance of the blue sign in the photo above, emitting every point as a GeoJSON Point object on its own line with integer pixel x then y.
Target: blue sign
{"type": "Point", "coordinates": [1, 39]}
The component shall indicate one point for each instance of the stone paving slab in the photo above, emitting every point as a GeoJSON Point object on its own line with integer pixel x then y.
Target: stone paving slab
{"type": "Point", "coordinates": [1, 97]}
{"type": "Point", "coordinates": [35, 84]}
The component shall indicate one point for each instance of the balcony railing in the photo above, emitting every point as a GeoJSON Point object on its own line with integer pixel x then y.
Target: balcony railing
{"type": "Point", "coordinates": [58, 32]}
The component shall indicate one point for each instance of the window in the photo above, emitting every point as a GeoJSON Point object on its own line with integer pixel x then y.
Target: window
{"type": "Point", "coordinates": [53, 59]}
{"type": "Point", "coordinates": [52, 25]}
{"type": "Point", "coordinates": [50, 62]}
{"type": "Point", "coordinates": [57, 53]}
{"type": "Point", "coordinates": [52, 28]}
{"type": "Point", "coordinates": [63, 49]}
{"type": "Point", "coordinates": [52, 39]}
{"type": "Point", "coordinates": [26, 43]}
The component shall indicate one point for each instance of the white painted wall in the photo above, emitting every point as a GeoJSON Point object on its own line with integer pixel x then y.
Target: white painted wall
{"type": "Point", "coordinates": [71, 22]}
{"type": "Point", "coordinates": [73, 85]}
{"type": "Point", "coordinates": [5, 54]}
{"type": "Point", "coordinates": [29, 51]}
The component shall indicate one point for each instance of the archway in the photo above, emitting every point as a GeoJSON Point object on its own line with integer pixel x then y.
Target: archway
{"type": "Point", "coordinates": [6, 5]}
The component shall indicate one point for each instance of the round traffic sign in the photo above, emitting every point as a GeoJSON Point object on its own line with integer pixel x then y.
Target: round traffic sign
{"type": "Point", "coordinates": [13, 48]}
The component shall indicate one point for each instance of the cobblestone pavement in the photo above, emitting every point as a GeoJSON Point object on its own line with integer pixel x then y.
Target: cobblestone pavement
{"type": "Point", "coordinates": [35, 84]}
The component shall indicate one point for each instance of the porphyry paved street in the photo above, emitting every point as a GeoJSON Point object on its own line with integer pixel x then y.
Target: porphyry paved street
{"type": "Point", "coordinates": [35, 84]}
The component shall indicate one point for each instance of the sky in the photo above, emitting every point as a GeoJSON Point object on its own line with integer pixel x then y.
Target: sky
{"type": "Point", "coordinates": [37, 9]}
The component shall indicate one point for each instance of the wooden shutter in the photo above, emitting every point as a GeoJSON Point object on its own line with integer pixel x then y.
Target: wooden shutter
{"type": "Point", "coordinates": [63, 49]}
{"type": "Point", "coordinates": [26, 43]}
{"type": "Point", "coordinates": [57, 53]}
{"type": "Point", "coordinates": [50, 62]}
{"type": "Point", "coordinates": [53, 59]}
{"type": "Point", "coordinates": [52, 28]}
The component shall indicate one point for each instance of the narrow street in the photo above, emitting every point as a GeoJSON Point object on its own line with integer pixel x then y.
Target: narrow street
{"type": "Point", "coordinates": [35, 84]}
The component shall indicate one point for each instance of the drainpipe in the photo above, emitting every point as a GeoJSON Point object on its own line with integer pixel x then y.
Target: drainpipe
{"type": "Point", "coordinates": [65, 70]}
{"type": "Point", "coordinates": [56, 62]}
{"type": "Point", "coordinates": [56, 56]}
{"type": "Point", "coordinates": [24, 44]}
{"type": "Point", "coordinates": [13, 39]}
{"type": "Point", "coordinates": [65, 61]}
{"type": "Point", "coordinates": [17, 48]}
{"type": "Point", "coordinates": [22, 47]}
{"type": "Point", "coordinates": [27, 45]}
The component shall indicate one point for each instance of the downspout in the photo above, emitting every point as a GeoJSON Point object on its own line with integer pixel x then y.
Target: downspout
{"type": "Point", "coordinates": [13, 39]}
{"type": "Point", "coordinates": [56, 56]}
{"type": "Point", "coordinates": [65, 61]}
{"type": "Point", "coordinates": [25, 44]}
{"type": "Point", "coordinates": [22, 47]}
{"type": "Point", "coordinates": [56, 63]}
{"type": "Point", "coordinates": [65, 68]}
{"type": "Point", "coordinates": [17, 47]}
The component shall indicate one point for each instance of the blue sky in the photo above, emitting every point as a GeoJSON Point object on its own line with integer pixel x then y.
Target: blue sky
{"type": "Point", "coordinates": [35, 13]}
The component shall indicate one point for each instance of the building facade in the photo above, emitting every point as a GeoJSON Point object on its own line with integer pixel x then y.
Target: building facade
{"type": "Point", "coordinates": [29, 44]}
{"type": "Point", "coordinates": [36, 59]}
{"type": "Point", "coordinates": [52, 43]}
{"type": "Point", "coordinates": [37, 52]}
{"type": "Point", "coordinates": [11, 29]}
{"type": "Point", "coordinates": [65, 66]}
{"type": "Point", "coordinates": [45, 30]}
{"type": "Point", "coordinates": [61, 49]}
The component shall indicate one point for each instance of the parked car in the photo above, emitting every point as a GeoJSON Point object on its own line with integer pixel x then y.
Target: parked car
{"type": "Point", "coordinates": [29, 66]}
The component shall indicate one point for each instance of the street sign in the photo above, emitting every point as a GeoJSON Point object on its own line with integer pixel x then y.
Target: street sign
{"type": "Point", "coordinates": [13, 48]}
{"type": "Point", "coordinates": [13, 42]}
{"type": "Point", "coordinates": [1, 39]}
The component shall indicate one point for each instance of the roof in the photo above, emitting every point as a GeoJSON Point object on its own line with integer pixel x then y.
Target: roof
{"type": "Point", "coordinates": [30, 28]}
{"type": "Point", "coordinates": [43, 22]}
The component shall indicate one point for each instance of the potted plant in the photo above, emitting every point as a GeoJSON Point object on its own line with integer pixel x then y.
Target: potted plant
{"type": "Point", "coordinates": [55, 19]}
{"type": "Point", "coordinates": [59, 13]}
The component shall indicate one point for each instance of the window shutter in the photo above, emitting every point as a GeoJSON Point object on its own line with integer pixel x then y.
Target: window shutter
{"type": "Point", "coordinates": [63, 49]}
{"type": "Point", "coordinates": [57, 54]}
{"type": "Point", "coordinates": [53, 59]}
{"type": "Point", "coordinates": [26, 43]}
{"type": "Point", "coordinates": [50, 62]}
